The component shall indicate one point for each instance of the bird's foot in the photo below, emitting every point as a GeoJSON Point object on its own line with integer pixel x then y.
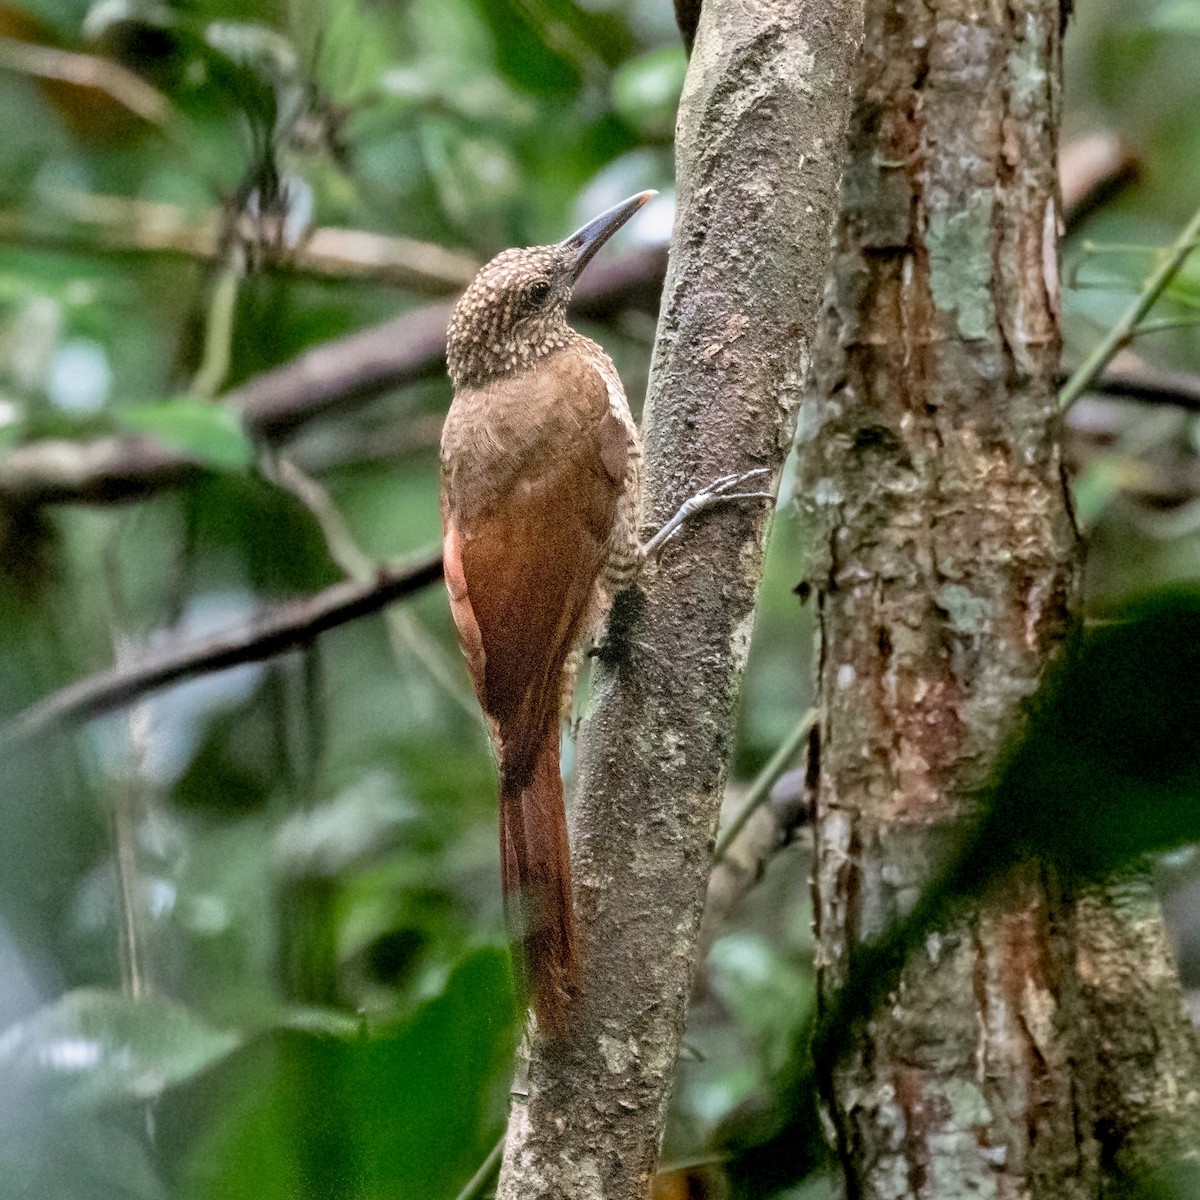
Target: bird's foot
{"type": "Point", "coordinates": [720, 491]}
{"type": "Point", "coordinates": [609, 651]}
{"type": "Point", "coordinates": [616, 640]}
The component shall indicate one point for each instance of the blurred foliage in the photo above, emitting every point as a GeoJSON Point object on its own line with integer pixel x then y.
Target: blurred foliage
{"type": "Point", "coordinates": [292, 865]}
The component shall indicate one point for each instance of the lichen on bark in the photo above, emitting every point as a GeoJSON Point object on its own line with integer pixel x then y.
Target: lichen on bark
{"type": "Point", "coordinates": [1148, 1091]}
{"type": "Point", "coordinates": [1035, 1045]}
{"type": "Point", "coordinates": [932, 472]}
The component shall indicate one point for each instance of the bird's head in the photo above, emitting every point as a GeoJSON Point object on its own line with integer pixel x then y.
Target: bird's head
{"type": "Point", "coordinates": [515, 310]}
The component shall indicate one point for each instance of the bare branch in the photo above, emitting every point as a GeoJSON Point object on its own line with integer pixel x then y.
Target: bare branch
{"type": "Point", "coordinates": [1086, 374]}
{"type": "Point", "coordinates": [87, 222]}
{"type": "Point", "coordinates": [86, 71]}
{"type": "Point", "coordinates": [347, 371]}
{"type": "Point", "coordinates": [769, 814]}
{"type": "Point", "coordinates": [106, 471]}
{"type": "Point", "coordinates": [761, 788]}
{"type": "Point", "coordinates": [83, 221]}
{"type": "Point", "coordinates": [399, 261]}
{"type": "Point", "coordinates": [1177, 388]}
{"type": "Point", "coordinates": [359, 444]}
{"type": "Point", "coordinates": [284, 627]}
{"type": "Point", "coordinates": [118, 469]}
{"type": "Point", "coordinates": [337, 374]}
{"type": "Point", "coordinates": [356, 368]}
{"type": "Point", "coordinates": [1092, 170]}
{"type": "Point", "coordinates": [408, 639]}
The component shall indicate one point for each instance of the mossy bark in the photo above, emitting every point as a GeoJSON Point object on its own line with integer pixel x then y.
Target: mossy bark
{"type": "Point", "coordinates": [946, 578]}
{"type": "Point", "coordinates": [1147, 1116]}
{"type": "Point", "coordinates": [1035, 1046]}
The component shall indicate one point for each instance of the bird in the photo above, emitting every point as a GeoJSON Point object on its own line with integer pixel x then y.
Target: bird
{"type": "Point", "coordinates": [541, 512]}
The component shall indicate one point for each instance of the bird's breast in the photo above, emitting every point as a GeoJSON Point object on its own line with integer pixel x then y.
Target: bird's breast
{"type": "Point", "coordinates": [502, 437]}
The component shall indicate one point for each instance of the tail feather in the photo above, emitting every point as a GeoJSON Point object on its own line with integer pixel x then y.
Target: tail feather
{"type": "Point", "coordinates": [535, 866]}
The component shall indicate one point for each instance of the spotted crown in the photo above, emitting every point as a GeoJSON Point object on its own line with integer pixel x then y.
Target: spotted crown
{"type": "Point", "coordinates": [514, 312]}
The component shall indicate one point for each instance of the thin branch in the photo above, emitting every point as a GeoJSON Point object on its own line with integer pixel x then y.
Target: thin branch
{"type": "Point", "coordinates": [405, 634]}
{"type": "Point", "coordinates": [361, 444]}
{"type": "Point", "coordinates": [776, 805]}
{"type": "Point", "coordinates": [337, 374]}
{"type": "Point", "coordinates": [1177, 388]}
{"type": "Point", "coordinates": [86, 71]}
{"type": "Point", "coordinates": [361, 366]}
{"type": "Point", "coordinates": [1108, 474]}
{"type": "Point", "coordinates": [1092, 170]}
{"type": "Point", "coordinates": [346, 371]}
{"type": "Point", "coordinates": [339, 541]}
{"type": "Point", "coordinates": [398, 261]}
{"type": "Point", "coordinates": [218, 332]}
{"type": "Point", "coordinates": [1090, 369]}
{"type": "Point", "coordinates": [284, 627]}
{"type": "Point", "coordinates": [1165, 325]}
{"type": "Point", "coordinates": [109, 470]}
{"type": "Point", "coordinates": [89, 223]}
{"type": "Point", "coordinates": [114, 470]}
{"type": "Point", "coordinates": [131, 797]}
{"type": "Point", "coordinates": [760, 789]}
{"type": "Point", "coordinates": [477, 1184]}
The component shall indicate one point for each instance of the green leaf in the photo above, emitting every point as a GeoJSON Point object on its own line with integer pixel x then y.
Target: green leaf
{"type": "Point", "coordinates": [1109, 768]}
{"type": "Point", "coordinates": [209, 432]}
{"type": "Point", "coordinates": [410, 1109]}
{"type": "Point", "coordinates": [1172, 1181]}
{"type": "Point", "coordinates": [527, 56]}
{"type": "Point", "coordinates": [92, 1047]}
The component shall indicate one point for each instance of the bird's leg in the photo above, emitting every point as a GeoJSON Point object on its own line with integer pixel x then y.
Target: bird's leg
{"type": "Point", "coordinates": [720, 491]}
{"type": "Point", "coordinates": [624, 570]}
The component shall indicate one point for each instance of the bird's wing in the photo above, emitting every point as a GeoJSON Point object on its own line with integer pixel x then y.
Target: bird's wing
{"type": "Point", "coordinates": [521, 563]}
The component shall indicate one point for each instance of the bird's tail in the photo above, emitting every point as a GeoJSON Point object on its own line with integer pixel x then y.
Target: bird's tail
{"type": "Point", "coordinates": [535, 864]}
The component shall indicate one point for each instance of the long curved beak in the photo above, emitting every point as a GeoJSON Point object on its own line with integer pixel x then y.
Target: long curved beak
{"type": "Point", "coordinates": [584, 243]}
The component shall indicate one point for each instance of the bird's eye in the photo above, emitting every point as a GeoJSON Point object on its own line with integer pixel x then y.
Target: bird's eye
{"type": "Point", "coordinates": [538, 291]}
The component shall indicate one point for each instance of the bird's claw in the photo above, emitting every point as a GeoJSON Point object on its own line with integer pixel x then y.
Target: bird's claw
{"type": "Point", "coordinates": [720, 491]}
{"type": "Point", "coordinates": [721, 486]}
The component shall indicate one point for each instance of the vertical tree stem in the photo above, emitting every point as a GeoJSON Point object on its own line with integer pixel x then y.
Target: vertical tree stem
{"type": "Point", "coordinates": [760, 141]}
{"type": "Point", "coordinates": [946, 575]}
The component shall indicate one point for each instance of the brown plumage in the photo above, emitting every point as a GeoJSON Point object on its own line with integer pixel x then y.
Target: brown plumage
{"type": "Point", "coordinates": [540, 463]}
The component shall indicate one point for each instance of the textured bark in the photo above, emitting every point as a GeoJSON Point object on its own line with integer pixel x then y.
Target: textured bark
{"type": "Point", "coordinates": [760, 143]}
{"type": "Point", "coordinates": [946, 577]}
{"type": "Point", "coordinates": [1148, 1093]}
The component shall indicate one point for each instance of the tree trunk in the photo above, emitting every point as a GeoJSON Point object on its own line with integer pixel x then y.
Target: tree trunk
{"type": "Point", "coordinates": [1037, 1047]}
{"type": "Point", "coordinates": [761, 130]}
{"type": "Point", "coordinates": [1148, 1091]}
{"type": "Point", "coordinates": [946, 579]}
